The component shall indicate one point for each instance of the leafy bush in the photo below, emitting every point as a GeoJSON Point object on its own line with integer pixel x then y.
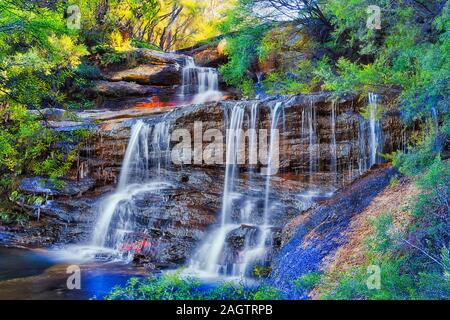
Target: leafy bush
{"type": "Point", "coordinates": [307, 281]}
{"type": "Point", "coordinates": [241, 50]}
{"type": "Point", "coordinates": [301, 81]}
{"type": "Point", "coordinates": [108, 55]}
{"type": "Point", "coordinates": [174, 287]}
{"type": "Point", "coordinates": [262, 271]}
{"type": "Point", "coordinates": [245, 33]}
{"type": "Point", "coordinates": [143, 44]}
{"type": "Point", "coordinates": [88, 70]}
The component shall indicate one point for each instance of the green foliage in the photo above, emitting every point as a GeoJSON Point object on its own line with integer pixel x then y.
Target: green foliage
{"type": "Point", "coordinates": [5, 217]}
{"type": "Point", "coordinates": [395, 283]}
{"type": "Point", "coordinates": [174, 287]}
{"type": "Point", "coordinates": [394, 182]}
{"type": "Point", "coordinates": [421, 155]}
{"type": "Point", "coordinates": [307, 281]}
{"type": "Point", "coordinates": [108, 55]}
{"type": "Point", "coordinates": [242, 45]}
{"type": "Point", "coordinates": [162, 24]}
{"type": "Point", "coordinates": [241, 50]}
{"type": "Point", "coordinates": [25, 145]}
{"type": "Point", "coordinates": [38, 53]}
{"type": "Point", "coordinates": [143, 44]}
{"type": "Point", "coordinates": [383, 238]}
{"type": "Point", "coordinates": [402, 57]}
{"type": "Point", "coordinates": [301, 81]}
{"type": "Point", "coordinates": [261, 271]}
{"type": "Point", "coordinates": [87, 70]}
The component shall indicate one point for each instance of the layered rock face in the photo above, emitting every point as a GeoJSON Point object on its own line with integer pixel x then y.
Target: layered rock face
{"type": "Point", "coordinates": [322, 144]}
{"type": "Point", "coordinates": [144, 72]}
{"type": "Point", "coordinates": [316, 136]}
{"type": "Point", "coordinates": [208, 55]}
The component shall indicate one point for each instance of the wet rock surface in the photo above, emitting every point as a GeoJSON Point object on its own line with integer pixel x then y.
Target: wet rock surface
{"type": "Point", "coordinates": [104, 88]}
{"type": "Point", "coordinates": [43, 186]}
{"type": "Point", "coordinates": [106, 151]}
{"type": "Point", "coordinates": [207, 55]}
{"type": "Point", "coordinates": [177, 220]}
{"type": "Point", "coordinates": [157, 75]}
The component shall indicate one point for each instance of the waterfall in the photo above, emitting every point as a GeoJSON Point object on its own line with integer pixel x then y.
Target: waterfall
{"type": "Point", "coordinates": [271, 170]}
{"type": "Point", "coordinates": [370, 141]}
{"type": "Point", "coordinates": [253, 139]}
{"type": "Point", "coordinates": [188, 74]}
{"type": "Point", "coordinates": [200, 82]}
{"type": "Point", "coordinates": [374, 128]}
{"type": "Point", "coordinates": [135, 155]}
{"type": "Point", "coordinates": [333, 142]}
{"type": "Point", "coordinates": [313, 146]}
{"type": "Point", "coordinates": [234, 139]}
{"type": "Point", "coordinates": [214, 257]}
{"type": "Point", "coordinates": [362, 146]}
{"type": "Point", "coordinates": [148, 149]}
{"type": "Point", "coordinates": [259, 87]}
{"type": "Point", "coordinates": [207, 259]}
{"type": "Point", "coordinates": [160, 146]}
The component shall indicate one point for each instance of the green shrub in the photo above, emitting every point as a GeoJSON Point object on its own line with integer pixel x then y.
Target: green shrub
{"type": "Point", "coordinates": [262, 271]}
{"type": "Point", "coordinates": [143, 44]}
{"type": "Point", "coordinates": [395, 283]}
{"type": "Point", "coordinates": [174, 287]}
{"type": "Point", "coordinates": [307, 281]}
{"type": "Point", "coordinates": [394, 182]}
{"type": "Point", "coordinates": [88, 70]}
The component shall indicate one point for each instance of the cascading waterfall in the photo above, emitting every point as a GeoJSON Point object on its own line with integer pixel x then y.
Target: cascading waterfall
{"type": "Point", "coordinates": [160, 146]}
{"type": "Point", "coordinates": [207, 259]}
{"type": "Point", "coordinates": [313, 145]}
{"type": "Point", "coordinates": [333, 141]}
{"type": "Point", "coordinates": [271, 170]}
{"type": "Point", "coordinates": [259, 87]}
{"type": "Point", "coordinates": [245, 214]}
{"type": "Point", "coordinates": [148, 149]}
{"type": "Point", "coordinates": [201, 82]}
{"type": "Point", "coordinates": [135, 155]}
{"type": "Point", "coordinates": [374, 125]}
{"type": "Point", "coordinates": [253, 139]}
{"type": "Point", "coordinates": [212, 258]}
{"type": "Point", "coordinates": [362, 147]}
{"type": "Point", "coordinates": [370, 136]}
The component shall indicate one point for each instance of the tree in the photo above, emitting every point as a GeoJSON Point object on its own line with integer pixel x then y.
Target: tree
{"type": "Point", "coordinates": [37, 53]}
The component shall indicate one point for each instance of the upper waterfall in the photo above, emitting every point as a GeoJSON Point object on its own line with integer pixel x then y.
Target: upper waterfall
{"type": "Point", "coordinates": [200, 82]}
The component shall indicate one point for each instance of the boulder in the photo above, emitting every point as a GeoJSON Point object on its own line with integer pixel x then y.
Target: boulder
{"type": "Point", "coordinates": [51, 114]}
{"type": "Point", "coordinates": [120, 89]}
{"type": "Point", "coordinates": [148, 56]}
{"type": "Point", "coordinates": [39, 185]}
{"type": "Point", "coordinates": [159, 75]}
{"type": "Point", "coordinates": [208, 55]}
